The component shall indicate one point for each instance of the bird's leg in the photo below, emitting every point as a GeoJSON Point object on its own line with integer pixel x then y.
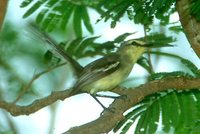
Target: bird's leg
{"type": "Point", "coordinates": [99, 102]}
{"type": "Point", "coordinates": [105, 108]}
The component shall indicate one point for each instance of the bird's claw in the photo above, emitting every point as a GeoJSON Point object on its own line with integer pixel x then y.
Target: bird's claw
{"type": "Point", "coordinates": [112, 110]}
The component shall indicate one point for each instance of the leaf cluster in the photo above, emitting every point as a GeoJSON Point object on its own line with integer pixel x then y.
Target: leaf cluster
{"type": "Point", "coordinates": [148, 113]}
{"type": "Point", "coordinates": [140, 11]}
{"type": "Point", "coordinates": [58, 13]}
{"type": "Point", "coordinates": [195, 9]}
{"type": "Point", "coordinates": [88, 47]}
{"type": "Point", "coordinates": [85, 47]}
{"type": "Point", "coordinates": [55, 13]}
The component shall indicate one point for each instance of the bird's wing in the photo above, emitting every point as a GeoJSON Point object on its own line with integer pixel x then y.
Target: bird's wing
{"type": "Point", "coordinates": [97, 70]}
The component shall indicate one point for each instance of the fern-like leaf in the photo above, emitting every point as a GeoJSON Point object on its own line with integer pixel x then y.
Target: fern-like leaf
{"type": "Point", "coordinates": [26, 3]}
{"type": "Point", "coordinates": [190, 65]}
{"type": "Point", "coordinates": [54, 13]}
{"type": "Point", "coordinates": [142, 12]}
{"type": "Point", "coordinates": [162, 104]}
{"type": "Point", "coordinates": [131, 116]}
{"type": "Point", "coordinates": [78, 21]}
{"type": "Point", "coordinates": [34, 7]}
{"type": "Point", "coordinates": [195, 9]}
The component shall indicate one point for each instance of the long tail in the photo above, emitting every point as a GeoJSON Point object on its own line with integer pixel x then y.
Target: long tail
{"type": "Point", "coordinates": [75, 65]}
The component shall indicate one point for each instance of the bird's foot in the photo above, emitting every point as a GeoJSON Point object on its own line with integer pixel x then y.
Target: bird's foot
{"type": "Point", "coordinates": [112, 110]}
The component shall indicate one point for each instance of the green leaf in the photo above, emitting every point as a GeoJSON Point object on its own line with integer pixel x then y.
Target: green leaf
{"type": "Point", "coordinates": [34, 8]}
{"type": "Point", "coordinates": [84, 45]}
{"type": "Point", "coordinates": [125, 129]}
{"type": "Point", "coordinates": [169, 118]}
{"type": "Point", "coordinates": [47, 20]}
{"type": "Point", "coordinates": [143, 61]}
{"type": "Point", "coordinates": [47, 57]}
{"type": "Point", "coordinates": [51, 3]}
{"type": "Point", "coordinates": [197, 96]}
{"type": "Point", "coordinates": [133, 115]}
{"type": "Point", "coordinates": [141, 12]}
{"type": "Point", "coordinates": [183, 122]}
{"type": "Point", "coordinates": [154, 117]}
{"type": "Point", "coordinates": [176, 29]}
{"type": "Point", "coordinates": [115, 12]}
{"type": "Point", "coordinates": [155, 5]}
{"type": "Point", "coordinates": [162, 104]}
{"type": "Point", "coordinates": [26, 3]}
{"type": "Point", "coordinates": [195, 9]}
{"type": "Point", "coordinates": [86, 20]}
{"type": "Point", "coordinates": [159, 38]}
{"type": "Point", "coordinates": [122, 37]}
{"type": "Point", "coordinates": [142, 124]}
{"type": "Point", "coordinates": [162, 75]}
{"type": "Point", "coordinates": [53, 22]}
{"type": "Point", "coordinates": [77, 21]}
{"type": "Point", "coordinates": [41, 15]}
{"type": "Point", "coordinates": [196, 129]}
{"type": "Point", "coordinates": [190, 65]}
{"type": "Point", "coordinates": [56, 13]}
{"type": "Point", "coordinates": [119, 15]}
{"type": "Point", "coordinates": [51, 59]}
{"type": "Point", "coordinates": [73, 46]}
{"type": "Point", "coordinates": [66, 15]}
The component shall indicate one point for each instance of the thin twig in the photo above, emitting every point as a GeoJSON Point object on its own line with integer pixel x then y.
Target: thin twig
{"type": "Point", "coordinates": [25, 89]}
{"type": "Point", "coordinates": [148, 52]}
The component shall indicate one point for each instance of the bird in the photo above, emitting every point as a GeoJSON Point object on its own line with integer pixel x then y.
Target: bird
{"type": "Point", "coordinates": [103, 74]}
{"type": "Point", "coordinates": [106, 73]}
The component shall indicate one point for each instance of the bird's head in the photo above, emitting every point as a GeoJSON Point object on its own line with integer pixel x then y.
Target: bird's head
{"type": "Point", "coordinates": [133, 47]}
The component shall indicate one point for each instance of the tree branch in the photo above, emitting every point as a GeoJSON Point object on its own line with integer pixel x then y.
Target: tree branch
{"type": "Point", "coordinates": [190, 25]}
{"type": "Point", "coordinates": [3, 7]}
{"type": "Point", "coordinates": [16, 110]}
{"type": "Point", "coordinates": [108, 120]}
{"type": "Point", "coordinates": [35, 77]}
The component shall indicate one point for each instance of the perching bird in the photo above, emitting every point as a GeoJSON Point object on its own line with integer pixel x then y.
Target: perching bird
{"type": "Point", "coordinates": [106, 73]}
{"type": "Point", "coordinates": [103, 74]}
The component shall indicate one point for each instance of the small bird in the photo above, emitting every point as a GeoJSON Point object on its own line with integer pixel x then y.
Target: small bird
{"type": "Point", "coordinates": [106, 73]}
{"type": "Point", "coordinates": [103, 74]}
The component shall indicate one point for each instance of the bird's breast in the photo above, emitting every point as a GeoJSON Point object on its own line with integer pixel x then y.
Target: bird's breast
{"type": "Point", "coordinates": [108, 82]}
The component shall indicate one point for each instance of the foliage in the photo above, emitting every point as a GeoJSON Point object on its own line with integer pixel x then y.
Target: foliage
{"type": "Point", "coordinates": [170, 107]}
{"type": "Point", "coordinates": [55, 12]}
{"type": "Point", "coordinates": [88, 47]}
{"type": "Point", "coordinates": [159, 106]}
{"type": "Point", "coordinates": [195, 9]}
{"type": "Point", "coordinates": [140, 11]}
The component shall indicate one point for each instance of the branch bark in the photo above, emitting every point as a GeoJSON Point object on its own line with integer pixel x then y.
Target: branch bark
{"type": "Point", "coordinates": [3, 7]}
{"type": "Point", "coordinates": [108, 120]}
{"type": "Point", "coordinates": [190, 25]}
{"type": "Point", "coordinates": [17, 110]}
